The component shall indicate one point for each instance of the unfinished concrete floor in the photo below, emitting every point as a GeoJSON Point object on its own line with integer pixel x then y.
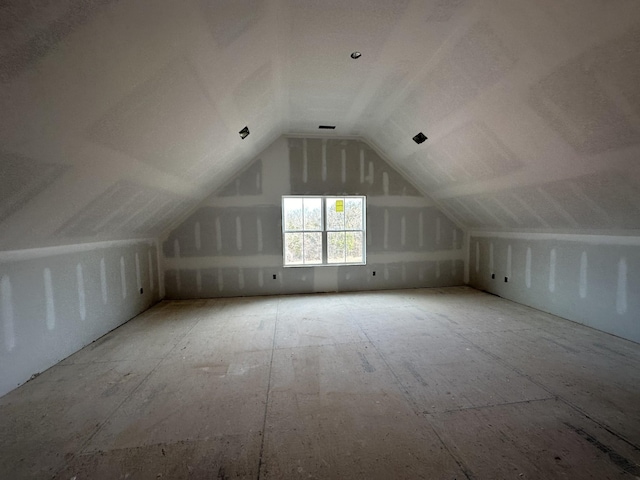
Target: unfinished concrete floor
{"type": "Point", "coordinates": [432, 383]}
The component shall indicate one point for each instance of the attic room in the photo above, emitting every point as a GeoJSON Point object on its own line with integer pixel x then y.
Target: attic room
{"type": "Point", "coordinates": [319, 239]}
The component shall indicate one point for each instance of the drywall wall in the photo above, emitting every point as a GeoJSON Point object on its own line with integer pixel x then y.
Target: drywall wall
{"type": "Point", "coordinates": [590, 279]}
{"type": "Point", "coordinates": [232, 244]}
{"type": "Point", "coordinates": [54, 301]}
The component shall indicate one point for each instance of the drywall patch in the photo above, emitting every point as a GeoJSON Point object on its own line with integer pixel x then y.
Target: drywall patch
{"type": "Point", "coordinates": [621, 290]}
{"type": "Point", "coordinates": [22, 180]}
{"type": "Point", "coordinates": [50, 304]}
{"type": "Point", "coordinates": [123, 278]}
{"type": "Point", "coordinates": [305, 161]}
{"type": "Point", "coordinates": [238, 234]}
{"type": "Point", "coordinates": [386, 229]}
{"type": "Point", "coordinates": [527, 268]}
{"type": "Point", "coordinates": [138, 277]}
{"type": "Point", "coordinates": [197, 236]}
{"type": "Point", "coordinates": [259, 232]}
{"type": "Point", "coordinates": [582, 280]}
{"type": "Point", "coordinates": [552, 270]}
{"type": "Point", "coordinates": [351, 167]}
{"type": "Point", "coordinates": [247, 183]}
{"type": "Point", "coordinates": [6, 297]}
{"type": "Point", "coordinates": [324, 160]}
{"type": "Point", "coordinates": [491, 270]}
{"type": "Point", "coordinates": [151, 280]}
{"type": "Point", "coordinates": [103, 281]}
{"type": "Point", "coordinates": [82, 307]}
{"type": "Point", "coordinates": [218, 235]}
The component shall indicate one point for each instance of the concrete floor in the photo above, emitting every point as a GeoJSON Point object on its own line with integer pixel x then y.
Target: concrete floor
{"type": "Point", "coordinates": [433, 383]}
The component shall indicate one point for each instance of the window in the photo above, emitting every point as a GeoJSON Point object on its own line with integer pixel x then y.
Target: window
{"type": "Point", "coordinates": [324, 230]}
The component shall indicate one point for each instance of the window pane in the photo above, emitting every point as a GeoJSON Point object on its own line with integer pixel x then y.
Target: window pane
{"type": "Point", "coordinates": [313, 248]}
{"type": "Point", "coordinates": [354, 250]}
{"type": "Point", "coordinates": [293, 248]}
{"type": "Point", "coordinates": [353, 213]}
{"type": "Point", "coordinates": [335, 213]}
{"type": "Point", "coordinates": [293, 214]}
{"type": "Point", "coordinates": [313, 214]}
{"type": "Point", "coordinates": [335, 247]}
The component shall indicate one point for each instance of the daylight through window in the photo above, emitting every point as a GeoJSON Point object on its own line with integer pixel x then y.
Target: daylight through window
{"type": "Point", "coordinates": [324, 230]}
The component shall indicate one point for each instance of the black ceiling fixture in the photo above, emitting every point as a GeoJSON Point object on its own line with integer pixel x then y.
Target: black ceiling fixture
{"type": "Point", "coordinates": [356, 55]}
{"type": "Point", "coordinates": [419, 138]}
{"type": "Point", "coordinates": [327, 127]}
{"type": "Point", "coordinates": [244, 133]}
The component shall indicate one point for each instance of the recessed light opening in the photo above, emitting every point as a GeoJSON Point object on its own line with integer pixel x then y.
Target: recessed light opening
{"type": "Point", "coordinates": [244, 133]}
{"type": "Point", "coordinates": [327, 127]}
{"type": "Point", "coordinates": [356, 55]}
{"type": "Point", "coordinates": [419, 138]}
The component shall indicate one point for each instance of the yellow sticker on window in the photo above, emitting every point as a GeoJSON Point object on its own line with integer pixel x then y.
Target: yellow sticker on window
{"type": "Point", "coordinates": [339, 205]}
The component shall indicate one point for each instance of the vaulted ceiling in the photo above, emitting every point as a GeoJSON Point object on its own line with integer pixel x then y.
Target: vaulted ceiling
{"type": "Point", "coordinates": [118, 117]}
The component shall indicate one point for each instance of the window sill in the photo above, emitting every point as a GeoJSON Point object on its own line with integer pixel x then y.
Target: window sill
{"type": "Point", "coordinates": [326, 265]}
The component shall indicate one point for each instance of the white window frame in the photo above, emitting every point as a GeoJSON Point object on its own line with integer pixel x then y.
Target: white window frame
{"type": "Point", "coordinates": [324, 230]}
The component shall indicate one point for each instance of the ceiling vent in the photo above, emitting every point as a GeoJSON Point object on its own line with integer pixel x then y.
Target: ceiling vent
{"type": "Point", "coordinates": [244, 133]}
{"type": "Point", "coordinates": [419, 138]}
{"type": "Point", "coordinates": [327, 127]}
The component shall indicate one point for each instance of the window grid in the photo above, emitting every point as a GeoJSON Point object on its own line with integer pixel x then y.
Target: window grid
{"type": "Point", "coordinates": [324, 230]}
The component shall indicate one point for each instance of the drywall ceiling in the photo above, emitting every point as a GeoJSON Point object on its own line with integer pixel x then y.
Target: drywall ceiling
{"type": "Point", "coordinates": [118, 117]}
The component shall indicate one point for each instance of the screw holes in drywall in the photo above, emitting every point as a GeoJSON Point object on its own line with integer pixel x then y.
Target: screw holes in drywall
{"type": "Point", "coordinates": [141, 290]}
{"type": "Point", "coordinates": [506, 279]}
{"type": "Point", "coordinates": [493, 276]}
{"type": "Point", "coordinates": [274, 276]}
{"type": "Point", "coordinates": [374, 274]}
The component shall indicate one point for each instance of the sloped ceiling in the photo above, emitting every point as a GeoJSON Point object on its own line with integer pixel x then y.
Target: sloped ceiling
{"type": "Point", "coordinates": [117, 117]}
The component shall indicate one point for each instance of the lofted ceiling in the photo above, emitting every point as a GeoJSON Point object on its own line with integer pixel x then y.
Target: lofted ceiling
{"type": "Point", "coordinates": [118, 117]}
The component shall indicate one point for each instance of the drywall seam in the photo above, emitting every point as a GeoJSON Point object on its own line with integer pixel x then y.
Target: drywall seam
{"type": "Point", "coordinates": [160, 265]}
{"type": "Point", "coordinates": [33, 253]}
{"type": "Point", "coordinates": [466, 248]}
{"type": "Point", "coordinates": [275, 261]}
{"type": "Point", "coordinates": [399, 168]}
{"type": "Point", "coordinates": [563, 237]}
